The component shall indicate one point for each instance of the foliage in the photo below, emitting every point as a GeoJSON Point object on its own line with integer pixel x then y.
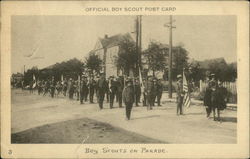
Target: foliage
{"type": "Point", "coordinates": [127, 56]}
{"type": "Point", "coordinates": [180, 58]}
{"type": "Point", "coordinates": [28, 76]}
{"type": "Point", "coordinates": [70, 68]}
{"type": "Point", "coordinates": [155, 57]}
{"type": "Point", "coordinates": [199, 70]}
{"type": "Point", "coordinates": [93, 62]}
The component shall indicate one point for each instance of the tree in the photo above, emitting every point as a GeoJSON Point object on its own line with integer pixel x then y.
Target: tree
{"type": "Point", "coordinates": [71, 68]}
{"type": "Point", "coordinates": [180, 58]}
{"type": "Point", "coordinates": [231, 72]}
{"type": "Point", "coordinates": [223, 71]}
{"type": "Point", "coordinates": [196, 73]}
{"type": "Point", "coordinates": [155, 57]}
{"type": "Point", "coordinates": [127, 57]}
{"type": "Point", "coordinates": [28, 76]}
{"type": "Point", "coordinates": [93, 62]}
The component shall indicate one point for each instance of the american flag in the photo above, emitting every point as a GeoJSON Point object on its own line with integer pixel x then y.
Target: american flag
{"type": "Point", "coordinates": [34, 81]}
{"type": "Point", "coordinates": [186, 100]}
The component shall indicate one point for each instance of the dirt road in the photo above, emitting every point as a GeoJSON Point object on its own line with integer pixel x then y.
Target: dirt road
{"type": "Point", "coordinates": [31, 113]}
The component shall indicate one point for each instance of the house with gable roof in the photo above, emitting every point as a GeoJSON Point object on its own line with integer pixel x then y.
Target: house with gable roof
{"type": "Point", "coordinates": [107, 49]}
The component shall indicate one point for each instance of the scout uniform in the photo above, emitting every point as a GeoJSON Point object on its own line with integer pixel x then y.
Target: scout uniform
{"type": "Point", "coordinates": [101, 89]}
{"type": "Point", "coordinates": [83, 89]}
{"type": "Point", "coordinates": [128, 98]}
{"type": "Point", "coordinates": [120, 86]}
{"type": "Point", "coordinates": [159, 92]}
{"type": "Point", "coordinates": [91, 86]}
{"type": "Point", "coordinates": [112, 90]}
{"type": "Point", "coordinates": [180, 95]}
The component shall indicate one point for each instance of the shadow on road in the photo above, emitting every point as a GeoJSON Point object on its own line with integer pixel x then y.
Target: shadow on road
{"type": "Point", "coordinates": [229, 119]}
{"type": "Point", "coordinates": [143, 117]}
{"type": "Point", "coordinates": [194, 113]}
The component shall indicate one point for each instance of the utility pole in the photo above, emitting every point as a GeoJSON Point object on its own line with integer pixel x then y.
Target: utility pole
{"type": "Point", "coordinates": [138, 28]}
{"type": "Point", "coordinates": [137, 42]}
{"type": "Point", "coordinates": [170, 26]}
{"type": "Point", "coordinates": [140, 41]}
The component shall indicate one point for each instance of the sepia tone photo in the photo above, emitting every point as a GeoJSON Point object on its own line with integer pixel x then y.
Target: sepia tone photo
{"type": "Point", "coordinates": [124, 79]}
{"type": "Point", "coordinates": [166, 79]}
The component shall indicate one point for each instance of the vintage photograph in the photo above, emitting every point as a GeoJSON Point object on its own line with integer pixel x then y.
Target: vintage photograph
{"type": "Point", "coordinates": [118, 79]}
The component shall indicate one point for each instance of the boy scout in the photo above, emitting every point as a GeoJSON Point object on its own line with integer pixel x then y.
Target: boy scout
{"type": "Point", "coordinates": [180, 95]}
{"type": "Point", "coordinates": [128, 97]}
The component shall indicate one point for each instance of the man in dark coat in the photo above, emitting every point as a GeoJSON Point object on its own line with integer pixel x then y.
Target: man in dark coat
{"type": "Point", "coordinates": [151, 92]}
{"type": "Point", "coordinates": [221, 99]}
{"type": "Point", "coordinates": [207, 98]}
{"type": "Point", "coordinates": [112, 90]}
{"type": "Point", "coordinates": [213, 88]}
{"type": "Point", "coordinates": [91, 86]}
{"type": "Point", "coordinates": [128, 98]}
{"type": "Point", "coordinates": [159, 92]}
{"type": "Point", "coordinates": [83, 89]}
{"type": "Point", "coordinates": [101, 89]}
{"type": "Point", "coordinates": [120, 86]}
{"type": "Point", "coordinates": [137, 92]}
{"type": "Point", "coordinates": [180, 95]}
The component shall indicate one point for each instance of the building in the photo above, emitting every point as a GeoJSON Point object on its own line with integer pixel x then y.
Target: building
{"type": "Point", "coordinates": [107, 49]}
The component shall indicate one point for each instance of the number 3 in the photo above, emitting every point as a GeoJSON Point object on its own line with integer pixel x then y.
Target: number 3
{"type": "Point", "coordinates": [10, 152]}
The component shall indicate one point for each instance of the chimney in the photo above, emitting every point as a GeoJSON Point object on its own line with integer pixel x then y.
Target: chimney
{"type": "Point", "coordinates": [106, 36]}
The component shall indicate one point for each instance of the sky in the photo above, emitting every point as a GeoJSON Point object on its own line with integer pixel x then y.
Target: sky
{"type": "Point", "coordinates": [45, 40]}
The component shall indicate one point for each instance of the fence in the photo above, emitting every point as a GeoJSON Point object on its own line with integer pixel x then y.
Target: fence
{"type": "Point", "coordinates": [230, 86]}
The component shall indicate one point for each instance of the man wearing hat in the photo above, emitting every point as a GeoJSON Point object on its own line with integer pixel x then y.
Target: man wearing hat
{"type": "Point", "coordinates": [151, 92]}
{"type": "Point", "coordinates": [120, 86]}
{"type": "Point", "coordinates": [159, 91]}
{"type": "Point", "coordinates": [128, 97]}
{"type": "Point", "coordinates": [91, 87]}
{"type": "Point", "coordinates": [112, 90]}
{"type": "Point", "coordinates": [101, 89]}
{"type": "Point", "coordinates": [207, 97]}
{"type": "Point", "coordinates": [180, 94]}
{"type": "Point", "coordinates": [212, 84]}
{"type": "Point", "coordinates": [83, 89]}
{"type": "Point", "coordinates": [137, 91]}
